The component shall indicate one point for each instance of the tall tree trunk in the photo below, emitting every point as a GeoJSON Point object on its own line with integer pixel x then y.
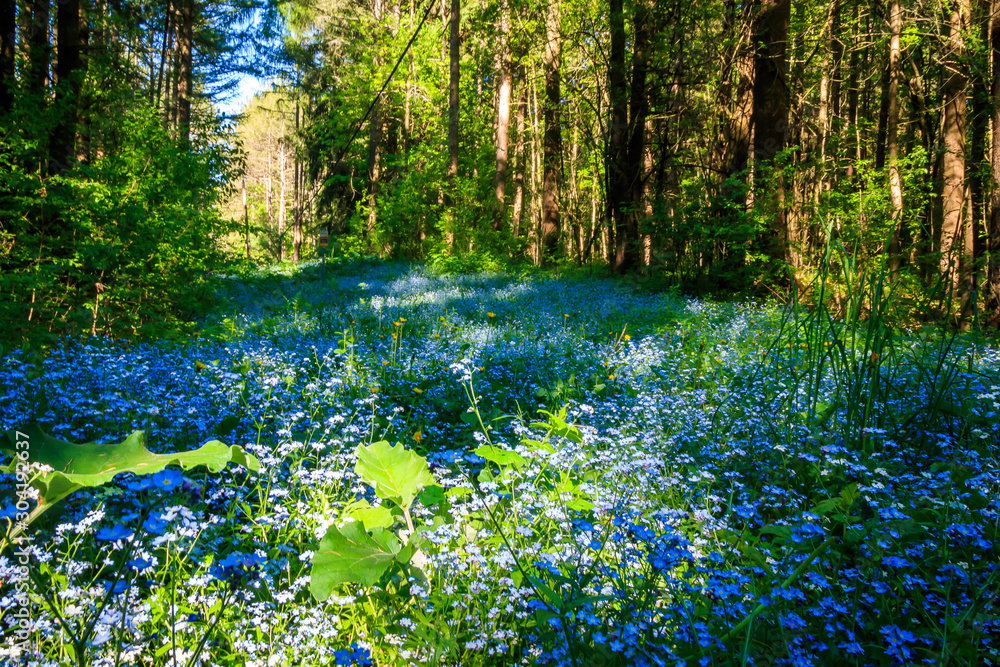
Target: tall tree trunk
{"type": "Point", "coordinates": [615, 161]}
{"type": "Point", "coordinates": [520, 162]}
{"type": "Point", "coordinates": [270, 189]}
{"type": "Point", "coordinates": [991, 286]}
{"type": "Point", "coordinates": [246, 218]}
{"type": "Point", "coordinates": [69, 76]}
{"type": "Point", "coordinates": [892, 133]}
{"type": "Point", "coordinates": [185, 68]}
{"type": "Point", "coordinates": [8, 49]}
{"type": "Point", "coordinates": [976, 242]}
{"type": "Point", "coordinates": [407, 98]}
{"type": "Point", "coordinates": [549, 240]}
{"type": "Point", "coordinates": [297, 191]}
{"type": "Point", "coordinates": [770, 115]}
{"type": "Point", "coordinates": [374, 137]}
{"type": "Point", "coordinates": [281, 199]}
{"type": "Point", "coordinates": [854, 67]}
{"type": "Point", "coordinates": [503, 117]}
{"type": "Point", "coordinates": [953, 188]}
{"type": "Point", "coordinates": [453, 107]}
{"type": "Point", "coordinates": [168, 27]}
{"type": "Point", "coordinates": [639, 109]}
{"type": "Point", "coordinates": [39, 49]}
{"type": "Point", "coordinates": [826, 88]}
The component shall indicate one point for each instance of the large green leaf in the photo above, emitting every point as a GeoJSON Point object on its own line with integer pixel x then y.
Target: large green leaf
{"type": "Point", "coordinates": [350, 554]}
{"type": "Point", "coordinates": [396, 473]}
{"type": "Point", "coordinates": [76, 466]}
{"type": "Point", "coordinates": [371, 517]}
{"type": "Point", "coordinates": [502, 457]}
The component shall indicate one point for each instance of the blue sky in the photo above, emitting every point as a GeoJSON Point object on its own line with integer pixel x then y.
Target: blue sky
{"type": "Point", "coordinates": [248, 87]}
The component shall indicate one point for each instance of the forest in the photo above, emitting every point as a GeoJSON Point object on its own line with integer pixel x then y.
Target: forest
{"type": "Point", "coordinates": [719, 148]}
{"type": "Point", "coordinates": [495, 332]}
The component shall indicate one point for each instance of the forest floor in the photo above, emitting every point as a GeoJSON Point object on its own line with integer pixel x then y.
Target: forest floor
{"type": "Point", "coordinates": [593, 474]}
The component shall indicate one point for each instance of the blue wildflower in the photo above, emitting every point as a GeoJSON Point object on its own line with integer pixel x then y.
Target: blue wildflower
{"type": "Point", "coordinates": [898, 640]}
{"type": "Point", "coordinates": [167, 480]}
{"type": "Point", "coordinates": [119, 532]}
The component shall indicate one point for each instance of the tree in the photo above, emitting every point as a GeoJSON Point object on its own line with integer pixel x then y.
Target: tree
{"type": "Point", "coordinates": [953, 237]}
{"type": "Point", "coordinates": [552, 157]}
{"type": "Point", "coordinates": [617, 156]}
{"type": "Point", "coordinates": [453, 108]}
{"type": "Point", "coordinates": [770, 113]}
{"type": "Point", "coordinates": [503, 115]}
{"type": "Point", "coordinates": [639, 109]}
{"type": "Point", "coordinates": [8, 17]}
{"type": "Point", "coordinates": [184, 85]}
{"type": "Point", "coordinates": [892, 130]}
{"type": "Point", "coordinates": [69, 77]}
{"type": "Point", "coordinates": [991, 286]}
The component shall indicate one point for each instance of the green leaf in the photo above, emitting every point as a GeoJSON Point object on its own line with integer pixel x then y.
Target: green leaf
{"type": "Point", "coordinates": [535, 445]}
{"type": "Point", "coordinates": [93, 464]}
{"type": "Point", "coordinates": [431, 496]}
{"type": "Point", "coordinates": [371, 517]}
{"type": "Point", "coordinates": [502, 457]}
{"type": "Point", "coordinates": [396, 473]}
{"type": "Point", "coordinates": [349, 555]}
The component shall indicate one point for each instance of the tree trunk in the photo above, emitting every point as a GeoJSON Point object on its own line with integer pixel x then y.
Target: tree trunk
{"type": "Point", "coordinates": [520, 163]}
{"type": "Point", "coordinates": [549, 240]}
{"type": "Point", "coordinates": [69, 77]}
{"type": "Point", "coordinates": [453, 109]}
{"type": "Point", "coordinates": [639, 109]}
{"type": "Point", "coordinates": [374, 138]}
{"type": "Point", "coordinates": [892, 134]}
{"type": "Point", "coordinates": [297, 190]}
{"type": "Point", "coordinates": [8, 18]}
{"type": "Point", "coordinates": [826, 89]}
{"type": "Point", "coordinates": [615, 168]}
{"type": "Point", "coordinates": [953, 188]}
{"type": "Point", "coordinates": [281, 199]}
{"type": "Point", "coordinates": [503, 117]}
{"type": "Point", "coordinates": [39, 49]}
{"type": "Point", "coordinates": [185, 69]}
{"type": "Point", "coordinates": [159, 86]}
{"type": "Point", "coordinates": [246, 218]}
{"type": "Point", "coordinates": [407, 99]}
{"type": "Point", "coordinates": [770, 114]}
{"type": "Point", "coordinates": [979, 121]}
{"type": "Point", "coordinates": [991, 286]}
{"type": "Point", "coordinates": [270, 188]}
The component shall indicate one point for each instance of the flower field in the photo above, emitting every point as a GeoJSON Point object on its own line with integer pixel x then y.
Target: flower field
{"type": "Point", "coordinates": [505, 470]}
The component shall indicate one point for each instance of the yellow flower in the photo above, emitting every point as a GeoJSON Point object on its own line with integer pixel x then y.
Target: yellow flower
{"type": "Point", "coordinates": [402, 319]}
{"type": "Point", "coordinates": [418, 437]}
{"type": "Point", "coordinates": [200, 366]}
{"type": "Point", "coordinates": [385, 363]}
{"type": "Point", "coordinates": [418, 390]}
{"type": "Point", "coordinates": [626, 337]}
{"type": "Point", "coordinates": [491, 315]}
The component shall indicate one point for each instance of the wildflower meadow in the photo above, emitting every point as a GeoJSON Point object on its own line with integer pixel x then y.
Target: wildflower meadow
{"type": "Point", "coordinates": [367, 463]}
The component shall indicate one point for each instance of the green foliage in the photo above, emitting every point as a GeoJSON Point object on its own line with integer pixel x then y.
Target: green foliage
{"type": "Point", "coordinates": [363, 549]}
{"type": "Point", "coordinates": [116, 244]}
{"type": "Point", "coordinates": [59, 468]}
